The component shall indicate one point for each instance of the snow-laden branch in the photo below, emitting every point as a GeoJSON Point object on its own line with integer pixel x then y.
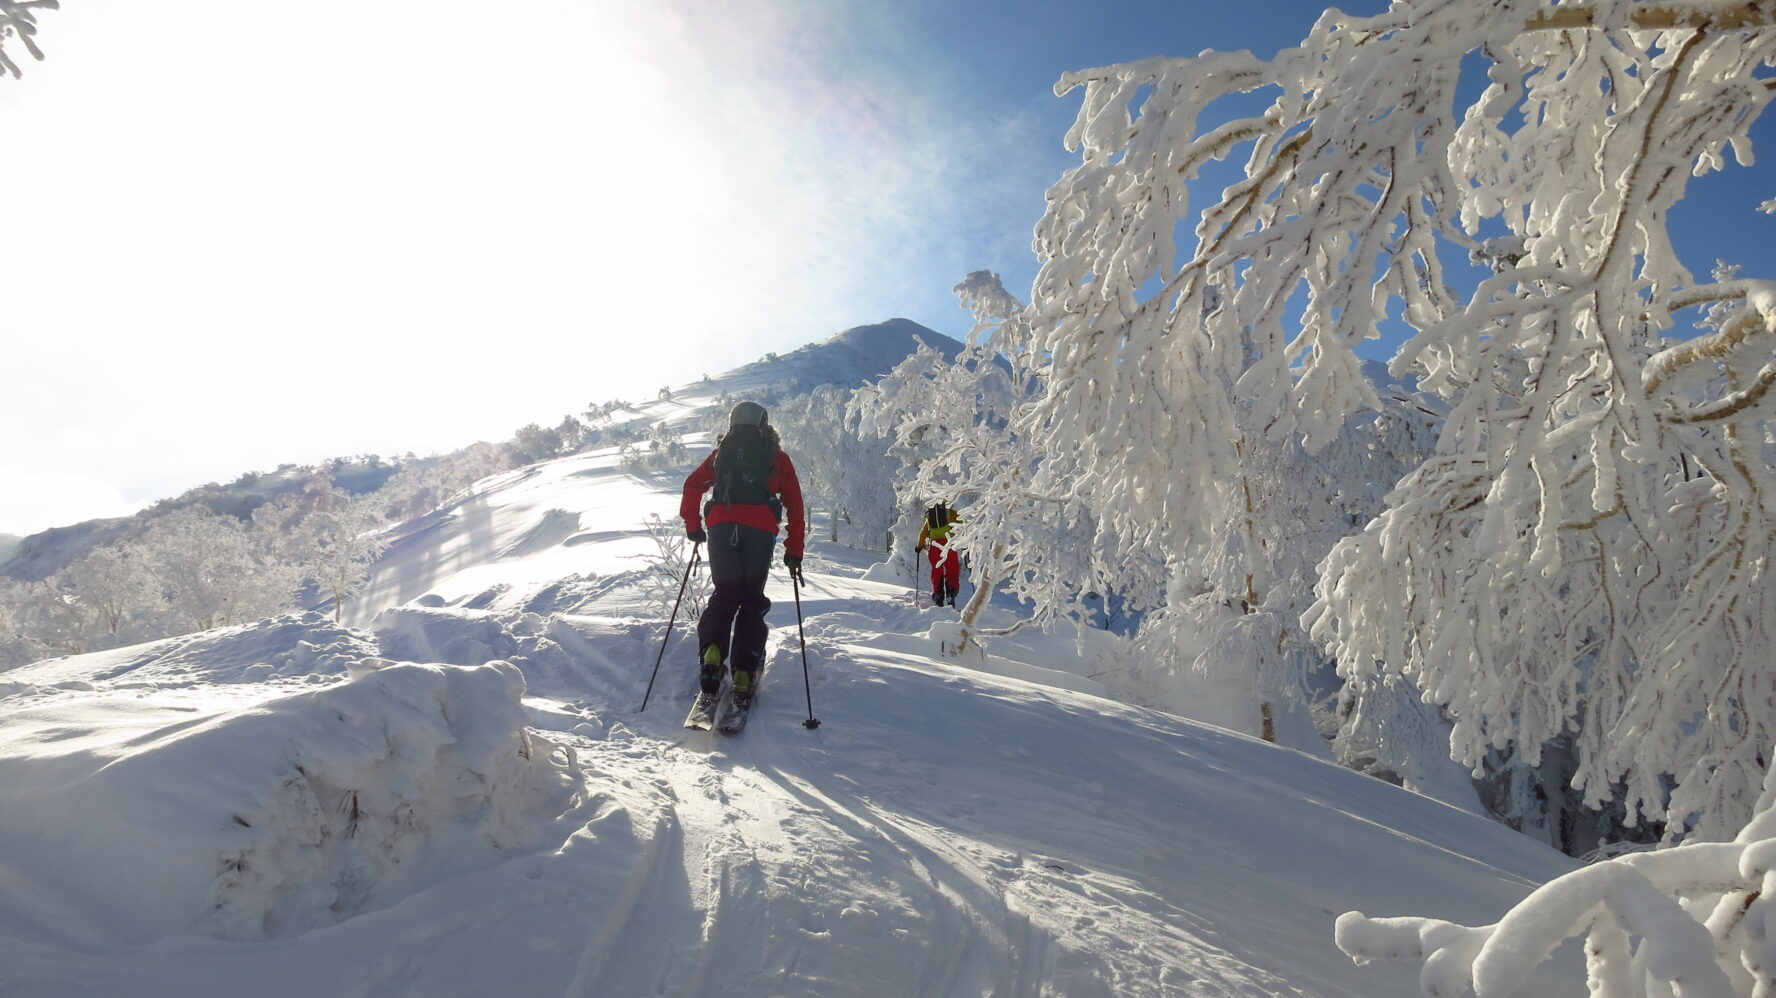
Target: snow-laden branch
{"type": "Point", "coordinates": [18, 19]}
{"type": "Point", "coordinates": [1691, 921]}
{"type": "Point", "coordinates": [1658, 16]}
{"type": "Point", "coordinates": [1758, 319]}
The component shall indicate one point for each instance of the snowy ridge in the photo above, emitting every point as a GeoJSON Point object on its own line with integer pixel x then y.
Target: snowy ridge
{"type": "Point", "coordinates": [459, 798]}
{"type": "Point", "coordinates": [847, 359]}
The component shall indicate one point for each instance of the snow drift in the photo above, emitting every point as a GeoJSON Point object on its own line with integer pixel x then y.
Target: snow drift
{"type": "Point", "coordinates": [153, 814]}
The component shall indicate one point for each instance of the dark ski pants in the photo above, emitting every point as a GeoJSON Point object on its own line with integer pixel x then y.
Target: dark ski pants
{"type": "Point", "coordinates": [734, 620]}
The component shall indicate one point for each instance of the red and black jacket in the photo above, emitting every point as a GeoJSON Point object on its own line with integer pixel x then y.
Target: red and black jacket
{"type": "Point", "coordinates": [783, 484]}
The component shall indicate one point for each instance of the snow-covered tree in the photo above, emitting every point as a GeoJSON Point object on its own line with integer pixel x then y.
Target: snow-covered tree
{"type": "Point", "coordinates": [988, 462]}
{"type": "Point", "coordinates": [413, 491]}
{"type": "Point", "coordinates": [538, 442]}
{"type": "Point", "coordinates": [1585, 554]}
{"type": "Point", "coordinates": [842, 470]}
{"type": "Point", "coordinates": [211, 573]}
{"type": "Point", "coordinates": [113, 584]}
{"type": "Point", "coordinates": [326, 536]}
{"type": "Point", "coordinates": [18, 20]}
{"type": "Point", "coordinates": [38, 620]}
{"type": "Point", "coordinates": [666, 446]}
{"type": "Point", "coordinates": [1585, 550]}
{"type": "Point", "coordinates": [1234, 595]}
{"type": "Point", "coordinates": [863, 486]}
{"type": "Point", "coordinates": [811, 428]}
{"type": "Point", "coordinates": [421, 486]}
{"type": "Point", "coordinates": [573, 434]}
{"type": "Point", "coordinates": [17, 647]}
{"type": "Point", "coordinates": [1041, 528]}
{"type": "Point", "coordinates": [916, 409]}
{"type": "Point", "coordinates": [656, 447]}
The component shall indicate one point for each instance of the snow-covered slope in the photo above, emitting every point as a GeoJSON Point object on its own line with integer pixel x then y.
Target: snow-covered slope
{"type": "Point", "coordinates": [846, 359]}
{"type": "Point", "coordinates": [461, 797]}
{"type": "Point", "coordinates": [573, 516]}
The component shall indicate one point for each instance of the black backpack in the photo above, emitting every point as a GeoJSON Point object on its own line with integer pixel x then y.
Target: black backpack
{"type": "Point", "coordinates": [937, 516]}
{"type": "Point", "coordinates": [743, 463]}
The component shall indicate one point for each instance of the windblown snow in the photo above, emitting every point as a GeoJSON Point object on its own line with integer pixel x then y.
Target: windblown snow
{"type": "Point", "coordinates": [454, 793]}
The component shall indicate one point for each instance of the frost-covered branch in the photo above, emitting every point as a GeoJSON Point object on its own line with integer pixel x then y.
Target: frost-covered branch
{"type": "Point", "coordinates": [1657, 16]}
{"type": "Point", "coordinates": [1690, 921]}
{"type": "Point", "coordinates": [18, 20]}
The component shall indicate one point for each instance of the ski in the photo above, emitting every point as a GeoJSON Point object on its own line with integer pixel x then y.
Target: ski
{"type": "Point", "coordinates": [733, 716]}
{"type": "Point", "coordinates": [702, 715]}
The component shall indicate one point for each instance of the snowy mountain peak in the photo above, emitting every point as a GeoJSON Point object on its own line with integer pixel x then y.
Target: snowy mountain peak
{"type": "Point", "coordinates": [847, 359]}
{"type": "Point", "coordinates": [887, 342]}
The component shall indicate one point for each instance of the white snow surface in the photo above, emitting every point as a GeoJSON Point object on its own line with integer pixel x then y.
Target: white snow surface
{"type": "Point", "coordinates": [457, 795]}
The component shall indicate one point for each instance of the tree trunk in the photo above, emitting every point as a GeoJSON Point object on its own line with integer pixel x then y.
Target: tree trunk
{"type": "Point", "coordinates": [976, 603]}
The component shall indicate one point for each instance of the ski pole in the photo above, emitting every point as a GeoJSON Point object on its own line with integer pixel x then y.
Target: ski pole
{"type": "Point", "coordinates": [696, 552]}
{"type": "Point", "coordinates": [916, 585]}
{"type": "Point", "coordinates": [795, 583]}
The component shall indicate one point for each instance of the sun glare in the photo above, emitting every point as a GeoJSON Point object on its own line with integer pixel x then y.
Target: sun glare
{"type": "Point", "coordinates": [382, 238]}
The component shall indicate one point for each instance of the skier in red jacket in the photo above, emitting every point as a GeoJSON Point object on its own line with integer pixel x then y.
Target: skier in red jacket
{"type": "Point", "coordinates": [754, 485]}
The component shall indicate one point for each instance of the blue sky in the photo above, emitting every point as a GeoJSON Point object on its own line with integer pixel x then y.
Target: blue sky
{"type": "Point", "coordinates": [258, 233]}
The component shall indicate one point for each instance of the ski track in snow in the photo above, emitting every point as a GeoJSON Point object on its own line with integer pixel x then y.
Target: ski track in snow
{"type": "Point", "coordinates": [946, 831]}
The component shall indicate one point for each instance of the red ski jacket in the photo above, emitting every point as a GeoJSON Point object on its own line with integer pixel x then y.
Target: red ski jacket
{"type": "Point", "coordinates": [783, 484]}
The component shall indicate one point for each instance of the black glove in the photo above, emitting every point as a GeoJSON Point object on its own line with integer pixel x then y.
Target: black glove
{"type": "Point", "coordinates": [794, 564]}
{"type": "Point", "coordinates": [696, 536]}
{"type": "Point", "coordinates": [919, 549]}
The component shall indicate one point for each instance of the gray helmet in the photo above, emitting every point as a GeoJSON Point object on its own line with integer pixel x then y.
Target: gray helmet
{"type": "Point", "coordinates": [747, 414]}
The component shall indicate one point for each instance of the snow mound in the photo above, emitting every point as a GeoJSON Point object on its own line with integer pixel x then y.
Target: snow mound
{"type": "Point", "coordinates": [381, 787]}
{"type": "Point", "coordinates": [578, 593]}
{"type": "Point", "coordinates": [607, 654]}
{"type": "Point", "coordinates": [555, 526]}
{"type": "Point", "coordinates": [311, 809]}
{"type": "Point", "coordinates": [300, 644]}
{"type": "Point", "coordinates": [562, 654]}
{"type": "Point", "coordinates": [453, 636]}
{"type": "Point", "coordinates": [296, 645]}
{"type": "Point", "coordinates": [892, 571]}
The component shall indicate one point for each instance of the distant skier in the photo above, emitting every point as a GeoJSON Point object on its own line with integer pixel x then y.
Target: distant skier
{"type": "Point", "coordinates": [946, 564]}
{"type": "Point", "coordinates": [755, 484]}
